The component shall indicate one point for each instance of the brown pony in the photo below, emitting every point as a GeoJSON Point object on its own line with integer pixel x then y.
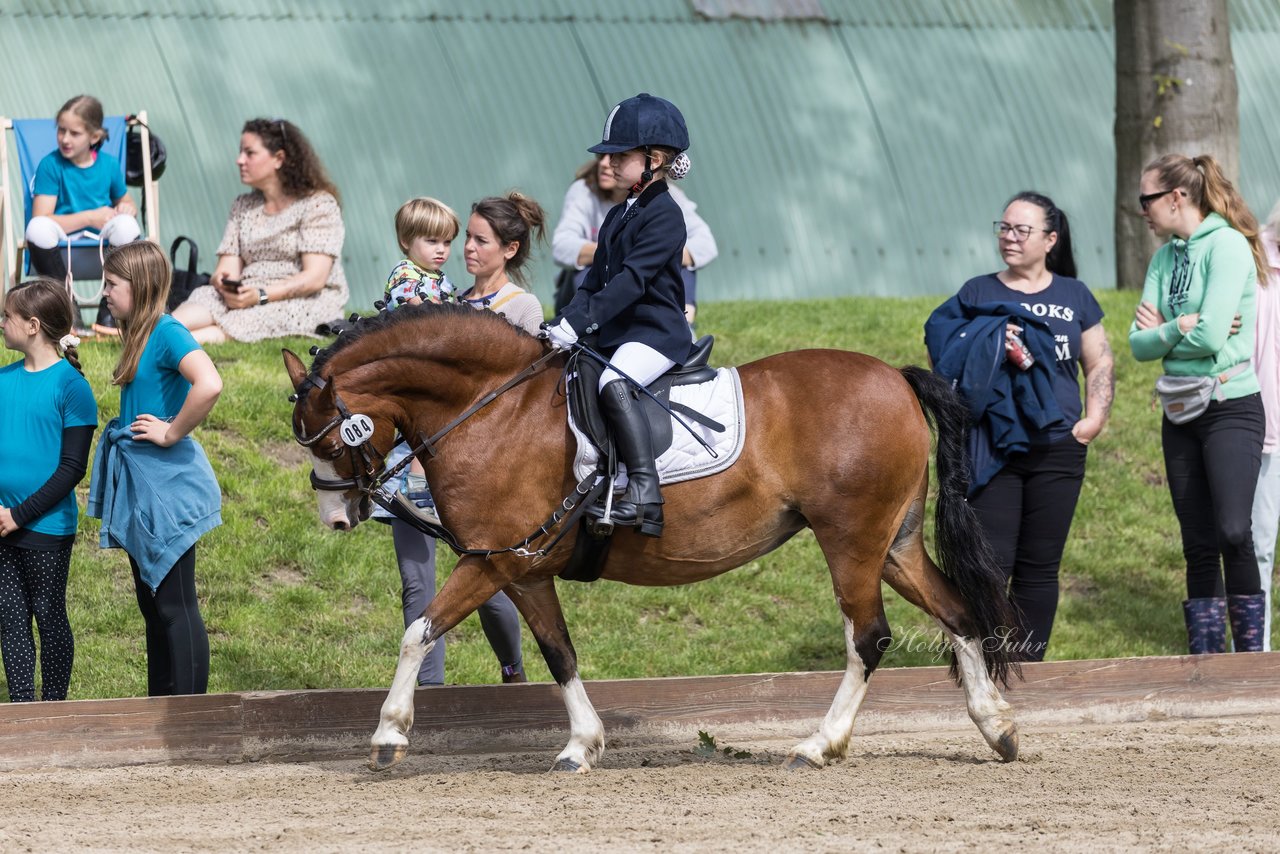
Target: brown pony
{"type": "Point", "coordinates": [835, 441]}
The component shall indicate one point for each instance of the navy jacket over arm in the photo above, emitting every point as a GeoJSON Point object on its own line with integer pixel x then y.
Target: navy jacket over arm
{"type": "Point", "coordinates": [634, 291]}
{"type": "Point", "coordinates": [1010, 409]}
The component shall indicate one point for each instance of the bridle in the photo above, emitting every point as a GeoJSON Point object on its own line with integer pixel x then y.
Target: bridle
{"type": "Point", "coordinates": [370, 476]}
{"type": "Point", "coordinates": [357, 431]}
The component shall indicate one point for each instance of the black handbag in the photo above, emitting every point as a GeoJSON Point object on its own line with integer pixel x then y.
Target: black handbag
{"type": "Point", "coordinates": [184, 280]}
{"type": "Point", "coordinates": [133, 174]}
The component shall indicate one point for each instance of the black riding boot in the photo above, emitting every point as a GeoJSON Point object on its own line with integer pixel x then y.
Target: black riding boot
{"type": "Point", "coordinates": [641, 504]}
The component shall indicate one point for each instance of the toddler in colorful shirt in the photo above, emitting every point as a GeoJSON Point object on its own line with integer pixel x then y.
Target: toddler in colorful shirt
{"type": "Point", "coordinates": [425, 229]}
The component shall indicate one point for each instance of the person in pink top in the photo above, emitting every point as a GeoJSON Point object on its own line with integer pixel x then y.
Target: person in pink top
{"type": "Point", "coordinates": [1266, 364]}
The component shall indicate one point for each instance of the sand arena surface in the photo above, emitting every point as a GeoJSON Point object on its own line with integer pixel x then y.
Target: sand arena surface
{"type": "Point", "coordinates": [1203, 784]}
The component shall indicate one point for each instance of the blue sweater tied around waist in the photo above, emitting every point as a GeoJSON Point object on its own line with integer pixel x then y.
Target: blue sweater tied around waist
{"type": "Point", "coordinates": [154, 502]}
{"type": "Point", "coordinates": [1009, 408]}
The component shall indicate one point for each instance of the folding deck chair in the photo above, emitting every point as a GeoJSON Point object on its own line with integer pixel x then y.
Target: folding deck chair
{"type": "Point", "coordinates": [35, 138]}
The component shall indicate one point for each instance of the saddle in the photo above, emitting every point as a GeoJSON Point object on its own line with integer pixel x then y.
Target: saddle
{"type": "Point", "coordinates": [582, 374]}
{"type": "Point", "coordinates": [584, 399]}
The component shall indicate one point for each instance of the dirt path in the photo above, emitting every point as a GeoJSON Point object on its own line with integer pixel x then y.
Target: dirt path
{"type": "Point", "coordinates": [1198, 784]}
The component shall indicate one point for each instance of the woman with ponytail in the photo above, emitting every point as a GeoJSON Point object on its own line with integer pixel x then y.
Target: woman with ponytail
{"type": "Point", "coordinates": [1200, 287]}
{"type": "Point", "coordinates": [1036, 325]}
{"type": "Point", "coordinates": [47, 418]}
{"type": "Point", "coordinates": [499, 234]}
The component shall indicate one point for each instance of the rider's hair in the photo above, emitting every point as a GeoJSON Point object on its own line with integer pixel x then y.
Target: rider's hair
{"type": "Point", "coordinates": [1203, 182]}
{"type": "Point", "coordinates": [425, 217]}
{"type": "Point", "coordinates": [514, 218]}
{"type": "Point", "coordinates": [48, 302]}
{"type": "Point", "coordinates": [1061, 259]}
{"type": "Point", "coordinates": [144, 266]}
{"type": "Point", "coordinates": [302, 174]}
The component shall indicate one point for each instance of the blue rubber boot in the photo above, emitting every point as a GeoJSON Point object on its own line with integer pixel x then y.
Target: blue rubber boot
{"type": "Point", "coordinates": [1248, 619]}
{"type": "Point", "coordinates": [1206, 625]}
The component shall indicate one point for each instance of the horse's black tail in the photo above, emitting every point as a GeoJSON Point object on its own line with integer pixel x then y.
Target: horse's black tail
{"type": "Point", "coordinates": [964, 554]}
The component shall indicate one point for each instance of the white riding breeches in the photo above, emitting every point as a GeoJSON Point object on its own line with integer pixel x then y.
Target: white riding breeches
{"type": "Point", "coordinates": [45, 233]}
{"type": "Point", "coordinates": [638, 361]}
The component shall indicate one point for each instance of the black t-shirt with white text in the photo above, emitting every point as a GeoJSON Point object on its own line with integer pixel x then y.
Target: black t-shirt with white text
{"type": "Point", "coordinates": [1069, 308]}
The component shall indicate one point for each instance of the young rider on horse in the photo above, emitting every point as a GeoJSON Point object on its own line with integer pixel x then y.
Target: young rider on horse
{"type": "Point", "coordinates": [633, 298]}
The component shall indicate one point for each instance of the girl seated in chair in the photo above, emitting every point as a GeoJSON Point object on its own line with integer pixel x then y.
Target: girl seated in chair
{"type": "Point", "coordinates": [77, 188]}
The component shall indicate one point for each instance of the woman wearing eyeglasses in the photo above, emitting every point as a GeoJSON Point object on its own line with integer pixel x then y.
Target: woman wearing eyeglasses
{"type": "Point", "coordinates": [1014, 343]}
{"type": "Point", "coordinates": [1198, 285]}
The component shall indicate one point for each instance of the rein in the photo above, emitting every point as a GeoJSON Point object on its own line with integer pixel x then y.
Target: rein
{"type": "Point", "coordinates": [357, 431]}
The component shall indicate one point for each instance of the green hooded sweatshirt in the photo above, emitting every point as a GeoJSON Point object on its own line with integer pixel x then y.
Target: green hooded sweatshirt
{"type": "Point", "coordinates": [1213, 274]}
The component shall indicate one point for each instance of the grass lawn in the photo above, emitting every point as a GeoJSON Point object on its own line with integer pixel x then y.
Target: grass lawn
{"type": "Point", "coordinates": [290, 604]}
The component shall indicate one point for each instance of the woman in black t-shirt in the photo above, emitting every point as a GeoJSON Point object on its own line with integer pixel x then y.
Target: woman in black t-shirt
{"type": "Point", "coordinates": [1027, 504]}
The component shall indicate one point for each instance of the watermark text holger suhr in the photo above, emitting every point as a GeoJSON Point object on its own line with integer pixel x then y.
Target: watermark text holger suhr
{"type": "Point", "coordinates": [937, 645]}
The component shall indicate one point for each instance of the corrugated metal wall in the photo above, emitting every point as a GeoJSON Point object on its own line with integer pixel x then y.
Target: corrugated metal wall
{"type": "Point", "coordinates": [863, 154]}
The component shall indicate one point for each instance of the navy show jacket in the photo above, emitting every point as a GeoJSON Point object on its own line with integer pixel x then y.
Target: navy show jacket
{"type": "Point", "coordinates": [634, 291]}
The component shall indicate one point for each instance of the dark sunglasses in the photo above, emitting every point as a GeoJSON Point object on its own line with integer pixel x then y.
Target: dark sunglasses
{"type": "Point", "coordinates": [1144, 202]}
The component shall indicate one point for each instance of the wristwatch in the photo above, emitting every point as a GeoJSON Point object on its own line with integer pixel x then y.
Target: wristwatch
{"type": "Point", "coordinates": [262, 296]}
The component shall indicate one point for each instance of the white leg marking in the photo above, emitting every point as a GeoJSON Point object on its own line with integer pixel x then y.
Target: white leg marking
{"type": "Point", "coordinates": [586, 733]}
{"type": "Point", "coordinates": [396, 718]}
{"type": "Point", "coordinates": [831, 741]}
{"type": "Point", "coordinates": [987, 708]}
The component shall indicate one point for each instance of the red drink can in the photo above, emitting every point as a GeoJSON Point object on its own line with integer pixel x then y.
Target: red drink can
{"type": "Point", "coordinates": [1016, 350]}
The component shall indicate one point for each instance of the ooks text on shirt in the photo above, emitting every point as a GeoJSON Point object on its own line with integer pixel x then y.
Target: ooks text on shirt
{"type": "Point", "coordinates": [1051, 311]}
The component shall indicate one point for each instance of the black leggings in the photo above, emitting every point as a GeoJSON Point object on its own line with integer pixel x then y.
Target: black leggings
{"type": "Point", "coordinates": [1026, 512]}
{"type": "Point", "coordinates": [177, 644]}
{"type": "Point", "coordinates": [33, 583]}
{"type": "Point", "coordinates": [1212, 467]}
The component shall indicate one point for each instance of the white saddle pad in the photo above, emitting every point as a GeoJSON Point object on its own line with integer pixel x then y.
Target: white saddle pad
{"type": "Point", "coordinates": [720, 400]}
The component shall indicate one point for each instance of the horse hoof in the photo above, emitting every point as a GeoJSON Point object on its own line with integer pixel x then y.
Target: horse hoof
{"type": "Point", "coordinates": [386, 755]}
{"type": "Point", "coordinates": [1007, 746]}
{"type": "Point", "coordinates": [796, 762]}
{"type": "Point", "coordinates": [569, 766]}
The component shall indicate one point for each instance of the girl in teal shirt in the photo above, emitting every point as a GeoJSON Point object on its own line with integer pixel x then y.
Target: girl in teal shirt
{"type": "Point", "coordinates": [1199, 291]}
{"type": "Point", "coordinates": [152, 486]}
{"type": "Point", "coordinates": [47, 419]}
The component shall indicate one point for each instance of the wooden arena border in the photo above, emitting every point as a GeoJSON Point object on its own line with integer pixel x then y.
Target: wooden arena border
{"type": "Point", "coordinates": [336, 724]}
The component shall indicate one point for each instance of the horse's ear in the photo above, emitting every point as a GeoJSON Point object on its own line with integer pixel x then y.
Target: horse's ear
{"type": "Point", "coordinates": [297, 370]}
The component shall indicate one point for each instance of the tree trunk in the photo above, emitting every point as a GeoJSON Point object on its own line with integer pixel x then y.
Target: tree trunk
{"type": "Point", "coordinates": [1175, 94]}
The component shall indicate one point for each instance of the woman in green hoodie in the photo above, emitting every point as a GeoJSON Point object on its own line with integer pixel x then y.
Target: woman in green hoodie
{"type": "Point", "coordinates": [1198, 286]}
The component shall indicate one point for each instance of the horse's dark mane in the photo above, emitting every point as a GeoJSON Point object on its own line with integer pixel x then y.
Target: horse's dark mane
{"type": "Point", "coordinates": [448, 313]}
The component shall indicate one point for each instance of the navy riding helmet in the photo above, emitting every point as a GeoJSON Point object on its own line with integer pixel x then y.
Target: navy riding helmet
{"type": "Point", "coordinates": [642, 121]}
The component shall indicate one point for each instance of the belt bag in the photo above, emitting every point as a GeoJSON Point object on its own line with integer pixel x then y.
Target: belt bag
{"type": "Point", "coordinates": [1186, 398]}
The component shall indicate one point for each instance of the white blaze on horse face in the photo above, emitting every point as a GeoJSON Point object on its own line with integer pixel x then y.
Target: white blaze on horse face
{"type": "Point", "coordinates": [335, 509]}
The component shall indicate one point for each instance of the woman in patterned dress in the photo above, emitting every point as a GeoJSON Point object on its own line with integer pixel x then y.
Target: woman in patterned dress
{"type": "Point", "coordinates": [279, 266]}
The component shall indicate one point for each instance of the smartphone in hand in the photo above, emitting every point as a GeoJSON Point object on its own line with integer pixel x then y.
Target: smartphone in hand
{"type": "Point", "coordinates": [232, 284]}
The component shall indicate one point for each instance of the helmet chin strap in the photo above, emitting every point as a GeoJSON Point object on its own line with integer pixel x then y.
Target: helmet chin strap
{"type": "Point", "coordinates": [647, 175]}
